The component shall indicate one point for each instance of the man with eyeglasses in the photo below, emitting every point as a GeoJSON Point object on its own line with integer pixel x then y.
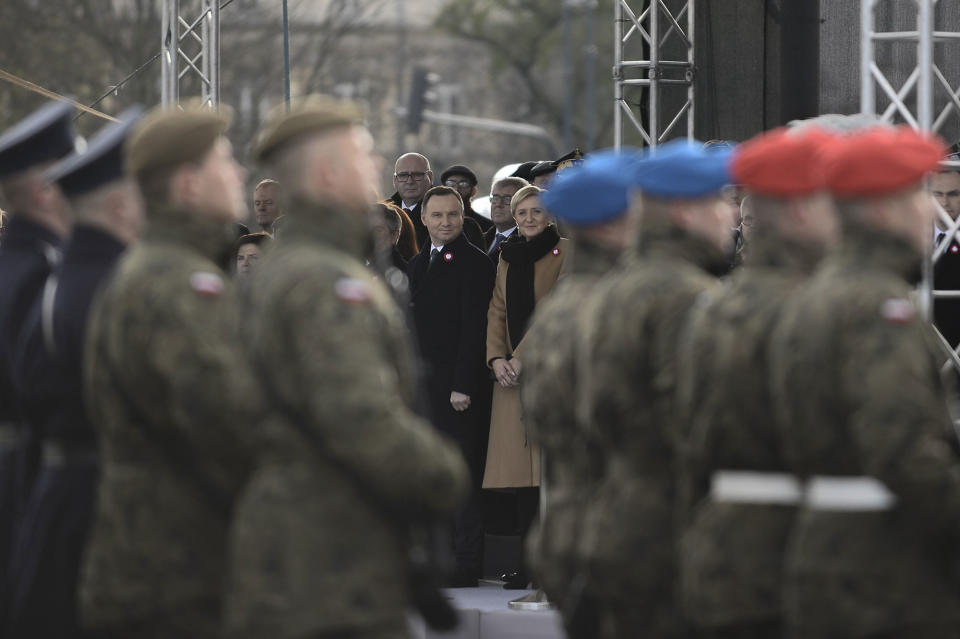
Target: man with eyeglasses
{"type": "Point", "coordinates": [464, 181]}
{"type": "Point", "coordinates": [412, 177]}
{"type": "Point", "coordinates": [503, 223]}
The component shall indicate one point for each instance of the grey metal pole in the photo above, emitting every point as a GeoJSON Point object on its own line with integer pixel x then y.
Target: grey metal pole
{"type": "Point", "coordinates": [868, 99]}
{"type": "Point", "coordinates": [286, 57]}
{"type": "Point", "coordinates": [567, 78]}
{"type": "Point", "coordinates": [925, 64]}
{"type": "Point", "coordinates": [214, 45]}
{"type": "Point", "coordinates": [169, 50]}
{"type": "Point", "coordinates": [691, 59]}
{"type": "Point", "coordinates": [617, 75]}
{"type": "Point", "coordinates": [590, 81]}
{"type": "Point", "coordinates": [654, 73]}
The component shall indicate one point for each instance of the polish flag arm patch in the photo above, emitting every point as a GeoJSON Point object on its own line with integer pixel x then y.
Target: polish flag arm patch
{"type": "Point", "coordinates": [206, 283]}
{"type": "Point", "coordinates": [353, 290]}
{"type": "Point", "coordinates": [898, 310]}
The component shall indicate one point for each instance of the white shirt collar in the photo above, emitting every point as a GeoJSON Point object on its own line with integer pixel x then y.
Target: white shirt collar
{"type": "Point", "coordinates": [508, 232]}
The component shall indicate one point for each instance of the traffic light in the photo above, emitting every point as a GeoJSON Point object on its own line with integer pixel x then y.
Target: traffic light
{"type": "Point", "coordinates": [420, 96]}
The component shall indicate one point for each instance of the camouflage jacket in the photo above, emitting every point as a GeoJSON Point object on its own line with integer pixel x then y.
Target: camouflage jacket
{"type": "Point", "coordinates": [317, 543]}
{"type": "Point", "coordinates": [573, 467]}
{"type": "Point", "coordinates": [627, 369]}
{"type": "Point", "coordinates": [731, 558]}
{"type": "Point", "coordinates": [176, 406]}
{"type": "Point", "coordinates": [856, 378]}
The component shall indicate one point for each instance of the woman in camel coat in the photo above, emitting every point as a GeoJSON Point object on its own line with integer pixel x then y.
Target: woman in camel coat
{"type": "Point", "coordinates": [531, 262]}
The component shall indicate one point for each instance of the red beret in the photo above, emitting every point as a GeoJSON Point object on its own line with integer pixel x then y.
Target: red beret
{"type": "Point", "coordinates": [782, 162]}
{"type": "Point", "coordinates": [880, 161]}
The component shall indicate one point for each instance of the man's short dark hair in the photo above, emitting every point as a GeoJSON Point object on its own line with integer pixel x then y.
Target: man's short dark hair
{"type": "Point", "coordinates": [439, 191]}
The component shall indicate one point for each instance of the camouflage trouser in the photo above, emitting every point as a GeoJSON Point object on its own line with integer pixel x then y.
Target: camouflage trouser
{"type": "Point", "coordinates": [196, 622]}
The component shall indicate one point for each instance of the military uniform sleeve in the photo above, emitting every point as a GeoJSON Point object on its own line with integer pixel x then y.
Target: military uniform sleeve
{"type": "Point", "coordinates": [211, 396]}
{"type": "Point", "coordinates": [497, 316]}
{"type": "Point", "coordinates": [899, 420]}
{"type": "Point", "coordinates": [342, 360]}
{"type": "Point", "coordinates": [474, 303]}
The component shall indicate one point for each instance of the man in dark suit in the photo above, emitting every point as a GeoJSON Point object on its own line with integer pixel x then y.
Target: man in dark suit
{"type": "Point", "coordinates": [504, 225]}
{"type": "Point", "coordinates": [945, 189]}
{"type": "Point", "coordinates": [464, 181]}
{"type": "Point", "coordinates": [412, 177]}
{"type": "Point", "coordinates": [451, 282]}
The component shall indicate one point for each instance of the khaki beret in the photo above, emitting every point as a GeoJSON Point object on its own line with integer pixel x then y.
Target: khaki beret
{"type": "Point", "coordinates": [313, 114]}
{"type": "Point", "coordinates": [168, 136]}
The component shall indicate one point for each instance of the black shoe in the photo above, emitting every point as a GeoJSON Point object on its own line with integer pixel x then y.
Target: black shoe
{"type": "Point", "coordinates": [463, 578]}
{"type": "Point", "coordinates": [515, 580]}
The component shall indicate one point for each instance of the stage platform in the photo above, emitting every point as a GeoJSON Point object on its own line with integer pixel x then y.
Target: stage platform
{"type": "Point", "coordinates": [484, 614]}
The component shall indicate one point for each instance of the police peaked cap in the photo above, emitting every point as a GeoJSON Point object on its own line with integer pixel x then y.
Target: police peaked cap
{"type": "Point", "coordinates": [101, 162]}
{"type": "Point", "coordinates": [44, 135]}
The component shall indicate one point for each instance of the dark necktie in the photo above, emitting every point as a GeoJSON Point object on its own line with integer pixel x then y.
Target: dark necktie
{"type": "Point", "coordinates": [433, 256]}
{"type": "Point", "coordinates": [496, 243]}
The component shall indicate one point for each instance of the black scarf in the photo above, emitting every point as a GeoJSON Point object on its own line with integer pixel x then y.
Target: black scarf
{"type": "Point", "coordinates": [522, 255]}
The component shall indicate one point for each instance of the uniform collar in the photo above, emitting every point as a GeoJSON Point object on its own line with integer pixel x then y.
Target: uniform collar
{"type": "Point", "coordinates": [765, 250]}
{"type": "Point", "coordinates": [876, 249]}
{"type": "Point", "coordinates": [328, 224]}
{"type": "Point", "coordinates": [587, 258]}
{"type": "Point", "coordinates": [211, 238]}
{"type": "Point", "coordinates": [664, 240]}
{"type": "Point", "coordinates": [87, 239]}
{"type": "Point", "coordinates": [22, 228]}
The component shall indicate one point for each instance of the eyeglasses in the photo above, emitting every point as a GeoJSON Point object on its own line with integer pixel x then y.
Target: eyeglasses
{"type": "Point", "coordinates": [503, 199]}
{"type": "Point", "coordinates": [463, 184]}
{"type": "Point", "coordinates": [406, 177]}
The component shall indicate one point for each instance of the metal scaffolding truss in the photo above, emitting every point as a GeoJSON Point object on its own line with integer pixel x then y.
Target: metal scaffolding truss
{"type": "Point", "coordinates": [661, 34]}
{"type": "Point", "coordinates": [935, 103]}
{"type": "Point", "coordinates": [190, 49]}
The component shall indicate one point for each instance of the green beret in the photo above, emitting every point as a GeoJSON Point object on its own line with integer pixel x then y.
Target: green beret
{"type": "Point", "coordinates": [168, 136]}
{"type": "Point", "coordinates": [313, 114]}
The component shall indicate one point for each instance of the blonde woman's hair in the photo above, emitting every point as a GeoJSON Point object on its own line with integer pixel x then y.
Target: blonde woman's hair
{"type": "Point", "coordinates": [523, 194]}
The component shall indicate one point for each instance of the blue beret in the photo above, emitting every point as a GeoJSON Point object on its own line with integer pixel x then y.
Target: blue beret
{"type": "Point", "coordinates": [44, 135]}
{"type": "Point", "coordinates": [596, 191]}
{"type": "Point", "coordinates": [100, 162]}
{"type": "Point", "coordinates": [683, 169]}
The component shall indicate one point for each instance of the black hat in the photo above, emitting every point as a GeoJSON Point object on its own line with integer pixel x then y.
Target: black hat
{"type": "Point", "coordinates": [459, 169]}
{"type": "Point", "coordinates": [46, 134]}
{"type": "Point", "coordinates": [542, 168]}
{"type": "Point", "coordinates": [523, 171]}
{"type": "Point", "coordinates": [570, 159]}
{"type": "Point", "coordinates": [101, 162]}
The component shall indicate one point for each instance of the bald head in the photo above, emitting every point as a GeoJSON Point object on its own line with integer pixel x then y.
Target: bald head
{"type": "Point", "coordinates": [412, 177]}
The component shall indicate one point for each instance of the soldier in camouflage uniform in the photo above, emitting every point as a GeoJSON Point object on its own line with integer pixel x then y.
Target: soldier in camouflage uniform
{"type": "Point", "coordinates": [170, 392]}
{"type": "Point", "coordinates": [732, 551]}
{"type": "Point", "coordinates": [627, 376]}
{"type": "Point", "coordinates": [319, 539]}
{"type": "Point", "coordinates": [592, 203]}
{"type": "Point", "coordinates": [863, 413]}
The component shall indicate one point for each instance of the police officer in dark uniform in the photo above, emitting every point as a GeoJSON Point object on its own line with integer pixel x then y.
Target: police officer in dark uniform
{"type": "Point", "coordinates": [107, 216]}
{"type": "Point", "coordinates": [39, 221]}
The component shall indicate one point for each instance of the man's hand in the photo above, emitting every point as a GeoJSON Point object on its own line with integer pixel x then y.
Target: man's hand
{"type": "Point", "coordinates": [459, 401]}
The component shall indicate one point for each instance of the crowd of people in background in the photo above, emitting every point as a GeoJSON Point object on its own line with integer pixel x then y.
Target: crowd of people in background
{"type": "Point", "coordinates": [707, 354]}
